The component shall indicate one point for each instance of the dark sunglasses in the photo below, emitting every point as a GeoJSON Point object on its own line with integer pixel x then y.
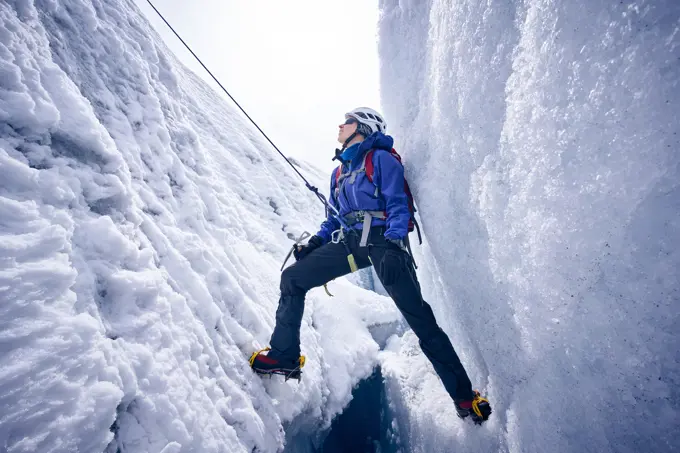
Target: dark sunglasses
{"type": "Point", "coordinates": [351, 121]}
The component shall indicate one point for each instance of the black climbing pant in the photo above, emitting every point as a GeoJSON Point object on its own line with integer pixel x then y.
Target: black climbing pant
{"type": "Point", "coordinates": [330, 261]}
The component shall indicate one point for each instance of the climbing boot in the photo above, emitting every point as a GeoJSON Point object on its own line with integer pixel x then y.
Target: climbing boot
{"type": "Point", "coordinates": [262, 364]}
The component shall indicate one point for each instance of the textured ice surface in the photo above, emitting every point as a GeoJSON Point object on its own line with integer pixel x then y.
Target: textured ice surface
{"type": "Point", "coordinates": [541, 139]}
{"type": "Point", "coordinates": [143, 222]}
{"type": "Point", "coordinates": [142, 226]}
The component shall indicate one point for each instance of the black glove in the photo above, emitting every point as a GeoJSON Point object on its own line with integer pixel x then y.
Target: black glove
{"type": "Point", "coordinates": [393, 263]}
{"type": "Point", "coordinates": [303, 250]}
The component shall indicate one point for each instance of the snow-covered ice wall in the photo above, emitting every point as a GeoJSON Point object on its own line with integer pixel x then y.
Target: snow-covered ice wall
{"type": "Point", "coordinates": [542, 140]}
{"type": "Point", "coordinates": [142, 226]}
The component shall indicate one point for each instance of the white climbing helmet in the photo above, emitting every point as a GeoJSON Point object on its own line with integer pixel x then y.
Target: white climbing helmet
{"type": "Point", "coordinates": [369, 117]}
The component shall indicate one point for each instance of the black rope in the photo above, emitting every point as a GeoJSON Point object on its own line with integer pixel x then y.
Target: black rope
{"type": "Point", "coordinates": [309, 186]}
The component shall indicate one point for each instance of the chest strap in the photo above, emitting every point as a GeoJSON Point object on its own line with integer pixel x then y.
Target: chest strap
{"type": "Point", "coordinates": [352, 175]}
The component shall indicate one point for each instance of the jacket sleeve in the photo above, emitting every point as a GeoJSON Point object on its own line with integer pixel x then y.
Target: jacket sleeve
{"type": "Point", "coordinates": [330, 224]}
{"type": "Point", "coordinates": [388, 176]}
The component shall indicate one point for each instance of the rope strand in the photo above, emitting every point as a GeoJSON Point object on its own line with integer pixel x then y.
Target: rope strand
{"type": "Point", "coordinates": [309, 186]}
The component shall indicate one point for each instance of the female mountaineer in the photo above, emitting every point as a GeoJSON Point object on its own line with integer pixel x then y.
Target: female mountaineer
{"type": "Point", "coordinates": [370, 197]}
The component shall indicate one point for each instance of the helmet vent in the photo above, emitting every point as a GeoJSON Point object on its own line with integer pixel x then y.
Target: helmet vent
{"type": "Point", "coordinates": [369, 117]}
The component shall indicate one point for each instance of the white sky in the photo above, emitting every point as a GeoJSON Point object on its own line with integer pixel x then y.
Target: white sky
{"type": "Point", "coordinates": [295, 66]}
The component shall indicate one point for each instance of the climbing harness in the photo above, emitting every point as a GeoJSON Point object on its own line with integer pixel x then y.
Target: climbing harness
{"type": "Point", "coordinates": [365, 218]}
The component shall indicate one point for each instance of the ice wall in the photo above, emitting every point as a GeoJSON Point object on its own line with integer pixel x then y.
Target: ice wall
{"type": "Point", "coordinates": [143, 222]}
{"type": "Point", "coordinates": [541, 139]}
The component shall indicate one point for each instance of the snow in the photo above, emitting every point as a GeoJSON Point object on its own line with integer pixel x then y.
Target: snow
{"type": "Point", "coordinates": [541, 142]}
{"type": "Point", "coordinates": [143, 222]}
{"type": "Point", "coordinates": [142, 226]}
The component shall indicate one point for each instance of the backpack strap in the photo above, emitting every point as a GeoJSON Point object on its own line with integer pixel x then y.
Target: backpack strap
{"type": "Point", "coordinates": [353, 174]}
{"type": "Point", "coordinates": [368, 165]}
{"type": "Point", "coordinates": [338, 173]}
{"type": "Point", "coordinates": [368, 162]}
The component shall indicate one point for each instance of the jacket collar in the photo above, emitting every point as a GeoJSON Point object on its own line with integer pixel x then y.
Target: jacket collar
{"type": "Point", "coordinates": [377, 140]}
{"type": "Point", "coordinates": [350, 153]}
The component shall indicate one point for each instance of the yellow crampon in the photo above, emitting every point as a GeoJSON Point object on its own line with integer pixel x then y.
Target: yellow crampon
{"type": "Point", "coordinates": [255, 354]}
{"type": "Point", "coordinates": [475, 403]}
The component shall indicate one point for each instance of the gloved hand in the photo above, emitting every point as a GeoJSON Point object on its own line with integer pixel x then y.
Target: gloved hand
{"type": "Point", "coordinates": [303, 250]}
{"type": "Point", "coordinates": [393, 263]}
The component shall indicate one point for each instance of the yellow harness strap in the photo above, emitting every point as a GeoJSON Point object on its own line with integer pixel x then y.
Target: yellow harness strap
{"type": "Point", "coordinates": [352, 264]}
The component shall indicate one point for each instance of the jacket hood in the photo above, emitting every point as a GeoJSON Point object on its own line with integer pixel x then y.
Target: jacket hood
{"type": "Point", "coordinates": [377, 140]}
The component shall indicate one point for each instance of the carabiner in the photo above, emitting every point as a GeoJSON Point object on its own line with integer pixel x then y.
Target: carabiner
{"type": "Point", "coordinates": [337, 236]}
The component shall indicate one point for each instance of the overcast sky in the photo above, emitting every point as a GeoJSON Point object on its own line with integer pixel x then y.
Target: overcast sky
{"type": "Point", "coordinates": [295, 66]}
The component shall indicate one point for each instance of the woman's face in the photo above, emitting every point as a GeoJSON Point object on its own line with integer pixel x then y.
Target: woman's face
{"type": "Point", "coordinates": [347, 129]}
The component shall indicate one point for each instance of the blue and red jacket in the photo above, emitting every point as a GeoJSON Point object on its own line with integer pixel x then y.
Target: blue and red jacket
{"type": "Point", "coordinates": [361, 194]}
